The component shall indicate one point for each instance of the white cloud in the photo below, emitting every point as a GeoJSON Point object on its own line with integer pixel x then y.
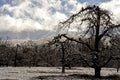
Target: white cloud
{"type": "Point", "coordinates": [114, 7]}
{"type": "Point", "coordinates": [31, 15]}
{"type": "Point", "coordinates": [13, 24]}
{"type": "Point", "coordinates": [35, 14]}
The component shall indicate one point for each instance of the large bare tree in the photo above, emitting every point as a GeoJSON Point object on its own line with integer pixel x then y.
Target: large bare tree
{"type": "Point", "coordinates": [95, 27]}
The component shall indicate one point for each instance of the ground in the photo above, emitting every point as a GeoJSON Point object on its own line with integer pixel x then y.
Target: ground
{"type": "Point", "coordinates": [30, 73]}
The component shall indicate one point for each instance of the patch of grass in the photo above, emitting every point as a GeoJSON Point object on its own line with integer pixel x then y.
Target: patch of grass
{"type": "Point", "coordinates": [41, 77]}
{"type": "Point", "coordinates": [79, 76]}
{"type": "Point", "coordinates": [50, 76]}
{"type": "Point", "coordinates": [42, 72]}
{"type": "Point", "coordinates": [8, 79]}
{"type": "Point", "coordinates": [115, 77]}
{"type": "Point", "coordinates": [82, 76]}
{"type": "Point", "coordinates": [45, 77]}
{"type": "Point", "coordinates": [85, 76]}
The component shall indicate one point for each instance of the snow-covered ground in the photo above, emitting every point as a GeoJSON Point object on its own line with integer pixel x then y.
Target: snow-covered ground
{"type": "Point", "coordinates": [26, 73]}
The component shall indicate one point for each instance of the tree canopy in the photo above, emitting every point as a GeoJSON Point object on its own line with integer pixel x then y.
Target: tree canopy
{"type": "Point", "coordinates": [95, 23]}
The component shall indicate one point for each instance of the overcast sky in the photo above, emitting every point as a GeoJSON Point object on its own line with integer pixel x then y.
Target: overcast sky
{"type": "Point", "coordinates": [29, 15]}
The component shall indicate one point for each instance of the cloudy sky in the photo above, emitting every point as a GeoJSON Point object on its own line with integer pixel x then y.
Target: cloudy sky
{"type": "Point", "coordinates": [31, 15]}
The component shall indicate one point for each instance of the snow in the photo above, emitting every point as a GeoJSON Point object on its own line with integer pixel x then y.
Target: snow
{"type": "Point", "coordinates": [26, 73]}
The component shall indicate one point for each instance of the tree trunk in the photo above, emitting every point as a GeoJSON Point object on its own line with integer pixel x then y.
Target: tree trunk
{"type": "Point", "coordinates": [97, 72]}
{"type": "Point", "coordinates": [15, 62]}
{"type": "Point", "coordinates": [63, 58]}
{"type": "Point", "coordinates": [63, 69]}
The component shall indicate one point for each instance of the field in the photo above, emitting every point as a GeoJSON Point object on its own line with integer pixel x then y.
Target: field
{"type": "Point", "coordinates": [26, 73]}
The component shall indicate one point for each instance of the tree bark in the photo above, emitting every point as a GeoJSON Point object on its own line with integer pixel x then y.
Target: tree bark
{"type": "Point", "coordinates": [97, 72]}
{"type": "Point", "coordinates": [63, 69]}
{"type": "Point", "coordinates": [63, 58]}
{"type": "Point", "coordinates": [15, 61]}
{"type": "Point", "coordinates": [97, 40]}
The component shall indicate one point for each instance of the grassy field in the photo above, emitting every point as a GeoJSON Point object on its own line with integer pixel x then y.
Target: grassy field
{"type": "Point", "coordinates": [50, 73]}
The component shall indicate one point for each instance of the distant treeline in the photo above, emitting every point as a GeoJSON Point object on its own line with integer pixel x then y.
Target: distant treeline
{"type": "Point", "coordinates": [31, 54]}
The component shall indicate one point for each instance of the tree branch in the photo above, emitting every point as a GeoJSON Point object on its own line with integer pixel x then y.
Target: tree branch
{"type": "Point", "coordinates": [78, 41]}
{"type": "Point", "coordinates": [110, 28]}
{"type": "Point", "coordinates": [74, 59]}
{"type": "Point", "coordinates": [107, 61]}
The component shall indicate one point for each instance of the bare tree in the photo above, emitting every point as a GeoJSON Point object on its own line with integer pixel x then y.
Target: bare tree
{"type": "Point", "coordinates": [62, 44]}
{"type": "Point", "coordinates": [5, 50]}
{"type": "Point", "coordinates": [115, 42]}
{"type": "Point", "coordinates": [16, 54]}
{"type": "Point", "coordinates": [98, 27]}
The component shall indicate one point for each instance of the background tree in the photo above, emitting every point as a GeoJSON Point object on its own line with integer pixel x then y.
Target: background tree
{"type": "Point", "coordinates": [115, 48]}
{"type": "Point", "coordinates": [64, 50]}
{"type": "Point", "coordinates": [16, 50]}
{"type": "Point", "coordinates": [95, 27]}
{"type": "Point", "coordinates": [5, 54]}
